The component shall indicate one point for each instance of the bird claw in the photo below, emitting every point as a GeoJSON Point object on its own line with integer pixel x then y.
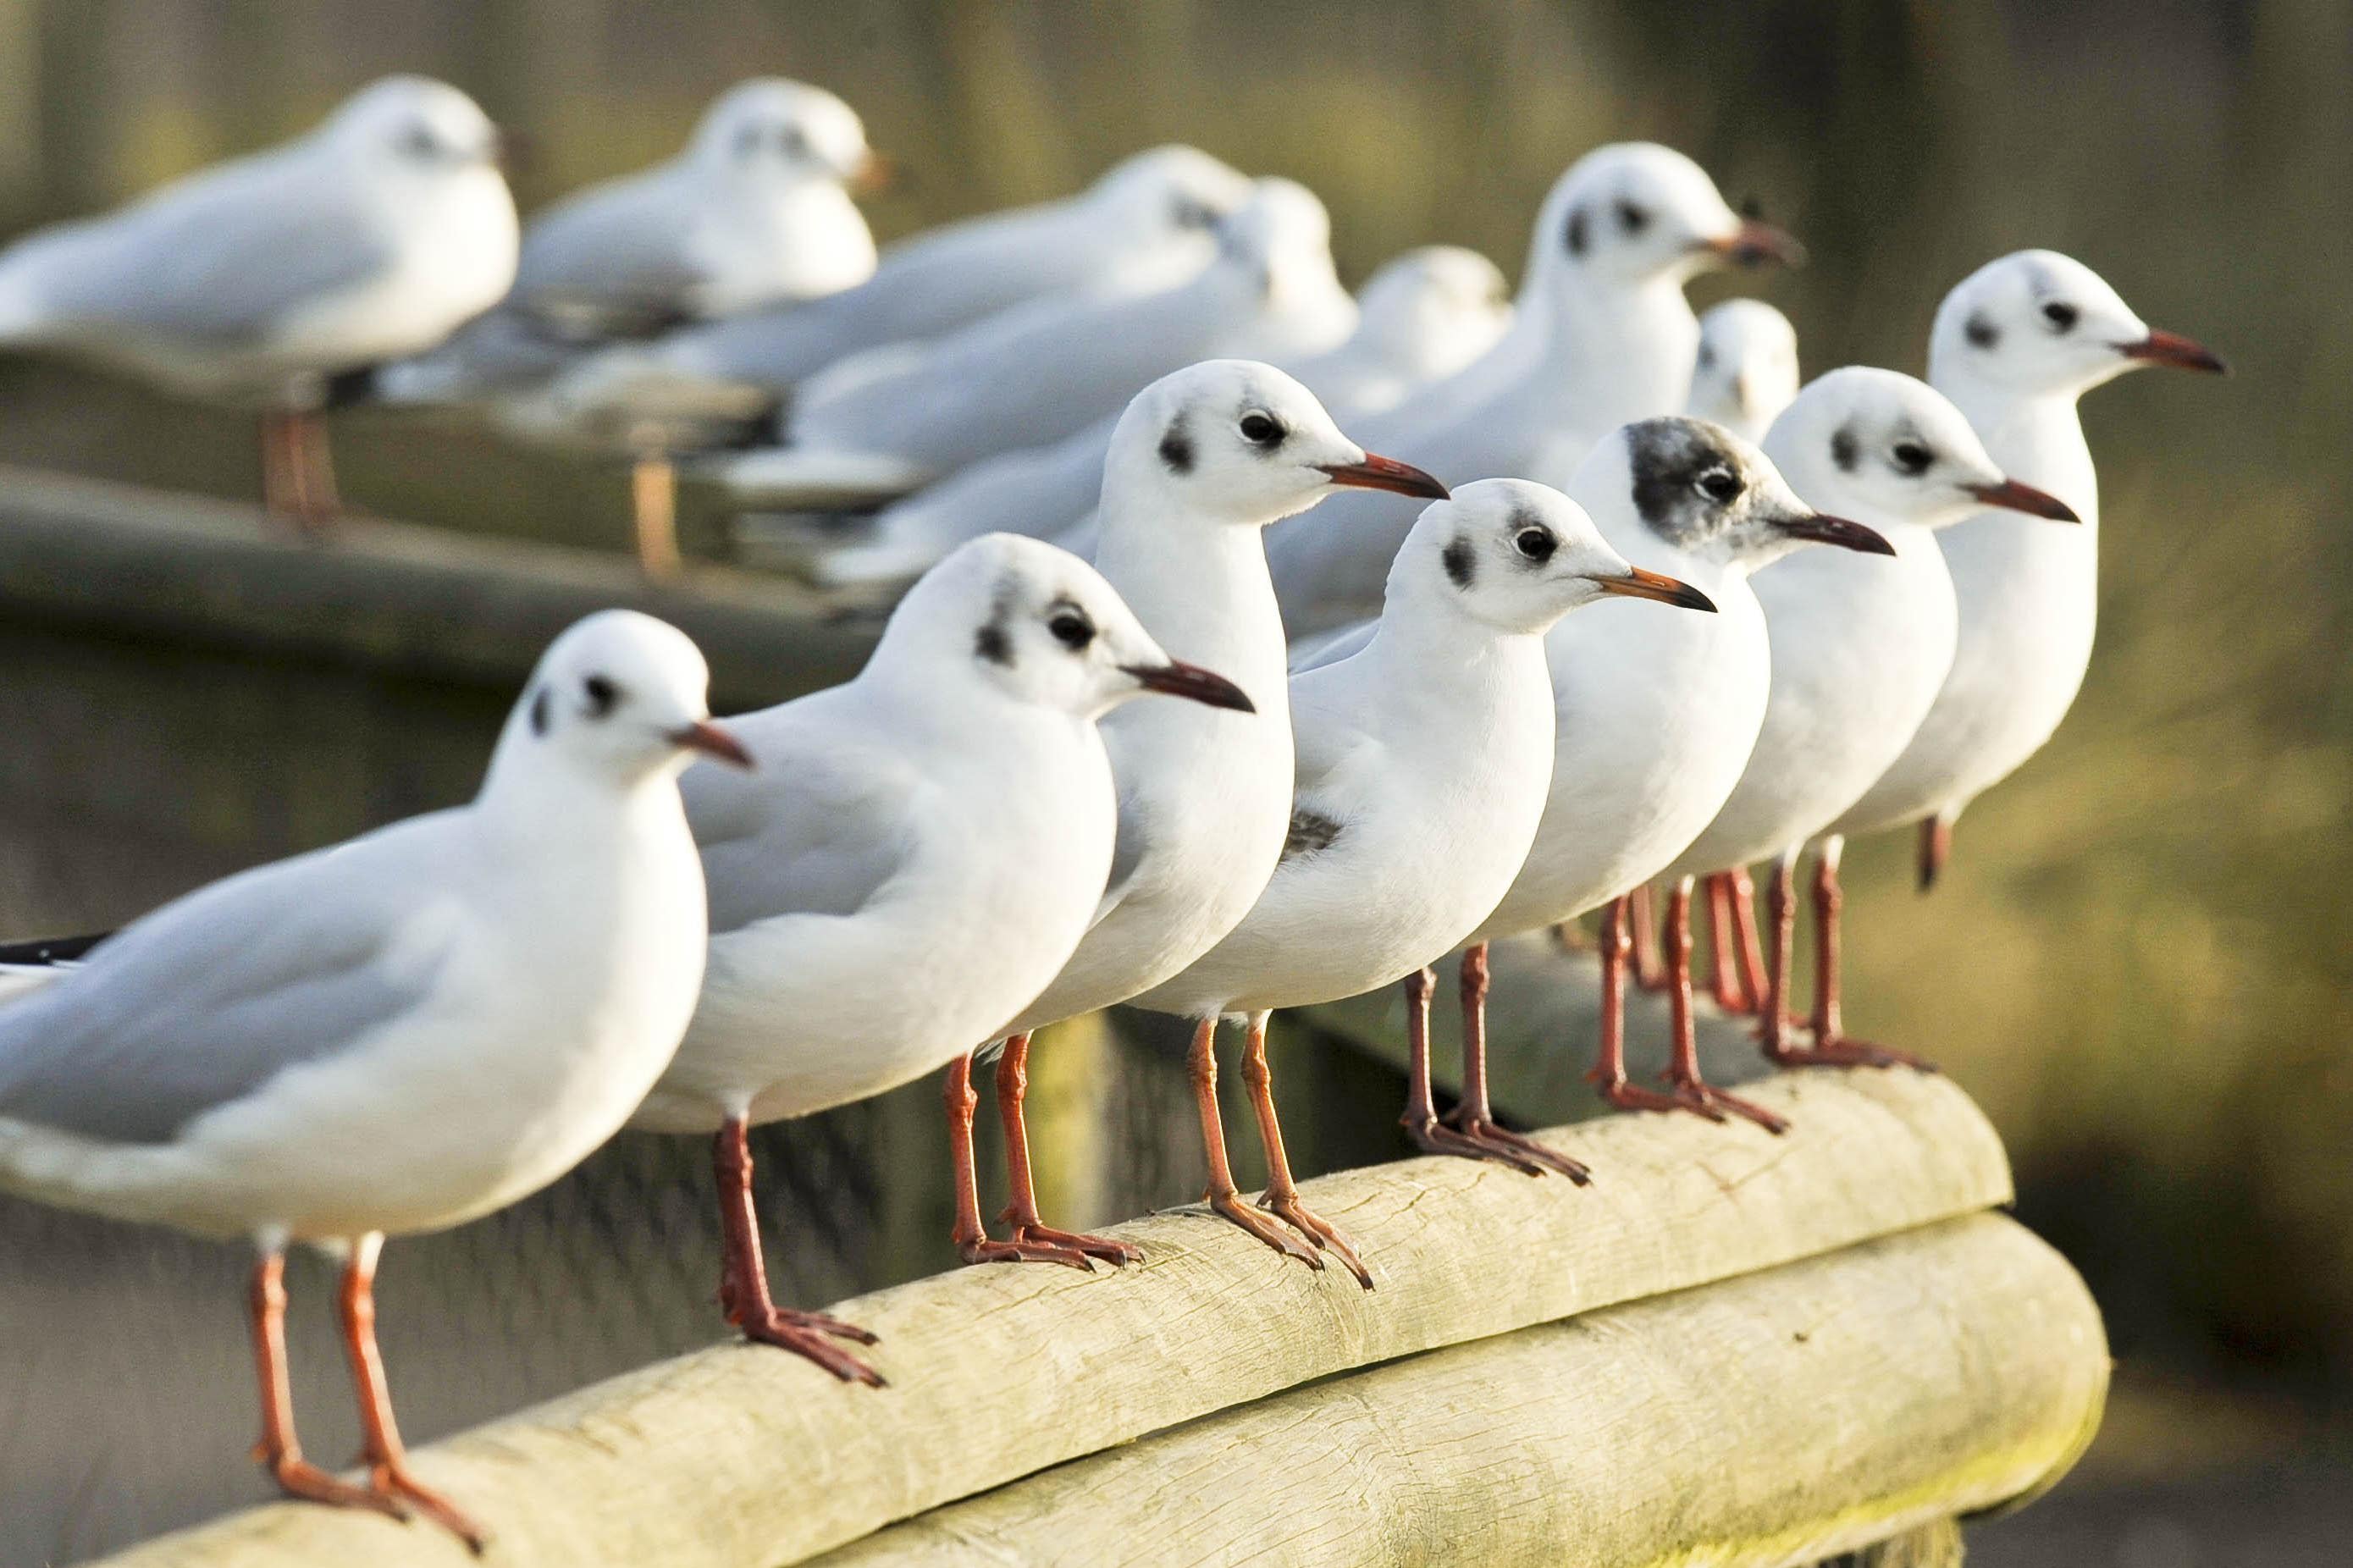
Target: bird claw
{"type": "Point", "coordinates": [391, 1481]}
{"type": "Point", "coordinates": [1517, 1146]}
{"type": "Point", "coordinates": [986, 1250]}
{"type": "Point", "coordinates": [1700, 1099]}
{"type": "Point", "coordinates": [1437, 1137]}
{"type": "Point", "coordinates": [1844, 1053]}
{"type": "Point", "coordinates": [299, 1478]}
{"type": "Point", "coordinates": [804, 1335]}
{"type": "Point", "coordinates": [1321, 1231]}
{"type": "Point", "coordinates": [1111, 1250]}
{"type": "Point", "coordinates": [1231, 1207]}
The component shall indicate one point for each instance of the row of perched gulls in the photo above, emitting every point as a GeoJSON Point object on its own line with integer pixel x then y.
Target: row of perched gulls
{"type": "Point", "coordinates": [1629, 605]}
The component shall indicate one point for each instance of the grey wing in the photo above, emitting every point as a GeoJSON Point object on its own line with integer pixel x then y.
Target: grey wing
{"type": "Point", "coordinates": [208, 998]}
{"type": "Point", "coordinates": [816, 830]}
{"type": "Point", "coordinates": [612, 267]}
{"type": "Point", "coordinates": [1318, 649]}
{"type": "Point", "coordinates": [223, 265]}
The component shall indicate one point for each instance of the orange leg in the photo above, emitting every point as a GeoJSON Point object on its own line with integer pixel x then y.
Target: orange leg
{"type": "Point", "coordinates": [653, 509]}
{"type": "Point", "coordinates": [744, 1281]}
{"type": "Point", "coordinates": [1781, 909]}
{"type": "Point", "coordinates": [385, 1456]}
{"type": "Point", "coordinates": [278, 1452]}
{"type": "Point", "coordinates": [1281, 1198]}
{"type": "Point", "coordinates": [1224, 1198]}
{"type": "Point", "coordinates": [316, 505]}
{"type": "Point", "coordinates": [1688, 1089]}
{"type": "Point", "coordinates": [1831, 1047]}
{"type": "Point", "coordinates": [970, 1235]}
{"type": "Point", "coordinates": [1012, 1089]}
{"type": "Point", "coordinates": [1746, 946]}
{"type": "Point", "coordinates": [1469, 1129]}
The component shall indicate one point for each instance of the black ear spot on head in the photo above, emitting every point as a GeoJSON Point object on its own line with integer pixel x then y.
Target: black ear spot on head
{"type": "Point", "coordinates": [1177, 448]}
{"type": "Point", "coordinates": [1981, 332]}
{"type": "Point", "coordinates": [1576, 235]}
{"type": "Point", "coordinates": [539, 713]}
{"type": "Point", "coordinates": [1843, 451]}
{"type": "Point", "coordinates": [1459, 562]}
{"type": "Point", "coordinates": [991, 643]}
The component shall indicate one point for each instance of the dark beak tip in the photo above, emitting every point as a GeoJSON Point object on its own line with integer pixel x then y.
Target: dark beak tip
{"type": "Point", "coordinates": [1376, 472]}
{"type": "Point", "coordinates": [1193, 683]}
{"type": "Point", "coordinates": [712, 742]}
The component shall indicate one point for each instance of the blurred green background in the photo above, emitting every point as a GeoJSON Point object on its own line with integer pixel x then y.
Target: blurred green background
{"type": "Point", "coordinates": [2142, 959]}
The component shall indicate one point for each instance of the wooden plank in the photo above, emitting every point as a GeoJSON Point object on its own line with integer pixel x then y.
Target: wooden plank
{"type": "Point", "coordinates": [740, 1456]}
{"type": "Point", "coordinates": [1766, 1422]}
{"type": "Point", "coordinates": [393, 597]}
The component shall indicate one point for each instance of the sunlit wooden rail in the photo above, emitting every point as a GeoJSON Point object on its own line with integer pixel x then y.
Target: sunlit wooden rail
{"type": "Point", "coordinates": [1731, 1349]}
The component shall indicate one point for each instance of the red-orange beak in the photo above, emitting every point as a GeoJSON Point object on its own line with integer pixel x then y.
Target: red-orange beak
{"type": "Point", "coordinates": [712, 742]}
{"type": "Point", "coordinates": [2173, 349]}
{"type": "Point", "coordinates": [1657, 585]}
{"type": "Point", "coordinates": [1377, 473]}
{"type": "Point", "coordinates": [879, 172]}
{"type": "Point", "coordinates": [1754, 243]}
{"type": "Point", "coordinates": [2011, 496]}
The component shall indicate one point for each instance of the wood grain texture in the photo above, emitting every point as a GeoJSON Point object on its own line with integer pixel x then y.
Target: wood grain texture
{"type": "Point", "coordinates": [740, 1456]}
{"type": "Point", "coordinates": [1766, 1422]}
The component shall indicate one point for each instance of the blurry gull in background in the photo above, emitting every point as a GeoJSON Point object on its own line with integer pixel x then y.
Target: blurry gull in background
{"type": "Point", "coordinates": [872, 428]}
{"type": "Point", "coordinates": [1614, 340]}
{"type": "Point", "coordinates": [1746, 371]}
{"type": "Point", "coordinates": [1422, 315]}
{"type": "Point", "coordinates": [396, 1035]}
{"type": "Point", "coordinates": [927, 843]}
{"type": "Point", "coordinates": [258, 281]}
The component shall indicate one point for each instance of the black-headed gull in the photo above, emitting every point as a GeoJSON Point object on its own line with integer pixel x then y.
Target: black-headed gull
{"type": "Point", "coordinates": [1602, 335]}
{"type": "Point", "coordinates": [396, 1035]}
{"type": "Point", "coordinates": [1861, 645]}
{"type": "Point", "coordinates": [2014, 346]}
{"type": "Point", "coordinates": [1421, 758]}
{"type": "Point", "coordinates": [1202, 461]}
{"type": "Point", "coordinates": [1656, 715]}
{"type": "Point", "coordinates": [897, 418]}
{"type": "Point", "coordinates": [1423, 314]}
{"type": "Point", "coordinates": [258, 281]}
{"type": "Point", "coordinates": [937, 838]}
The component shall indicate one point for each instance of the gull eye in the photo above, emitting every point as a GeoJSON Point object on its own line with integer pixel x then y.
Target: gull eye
{"type": "Point", "coordinates": [1186, 213]}
{"type": "Point", "coordinates": [1072, 629]}
{"type": "Point", "coordinates": [2061, 315]}
{"type": "Point", "coordinates": [602, 695]}
{"type": "Point", "coordinates": [1536, 544]}
{"type": "Point", "coordinates": [1706, 357]}
{"type": "Point", "coordinates": [1262, 429]}
{"type": "Point", "coordinates": [793, 142]}
{"type": "Point", "coordinates": [1632, 220]}
{"type": "Point", "coordinates": [418, 141]}
{"type": "Point", "coordinates": [1913, 458]}
{"type": "Point", "coordinates": [747, 142]}
{"type": "Point", "coordinates": [1719, 485]}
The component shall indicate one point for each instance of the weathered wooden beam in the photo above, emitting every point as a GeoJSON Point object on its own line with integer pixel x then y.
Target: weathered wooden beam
{"type": "Point", "coordinates": [1771, 1420]}
{"type": "Point", "coordinates": [740, 1456]}
{"type": "Point", "coordinates": [395, 596]}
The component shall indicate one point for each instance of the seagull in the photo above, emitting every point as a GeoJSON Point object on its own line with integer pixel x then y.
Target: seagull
{"type": "Point", "coordinates": [1421, 763]}
{"type": "Point", "coordinates": [258, 281]}
{"type": "Point", "coordinates": [1745, 373]}
{"type": "Point", "coordinates": [1424, 314]}
{"type": "Point", "coordinates": [396, 1035]}
{"type": "Point", "coordinates": [937, 838]}
{"type": "Point", "coordinates": [2014, 346]}
{"type": "Point", "coordinates": [1612, 339]}
{"type": "Point", "coordinates": [1655, 717]}
{"type": "Point", "coordinates": [1044, 371]}
{"type": "Point", "coordinates": [1203, 460]}
{"type": "Point", "coordinates": [1147, 224]}
{"type": "Point", "coordinates": [1859, 645]}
